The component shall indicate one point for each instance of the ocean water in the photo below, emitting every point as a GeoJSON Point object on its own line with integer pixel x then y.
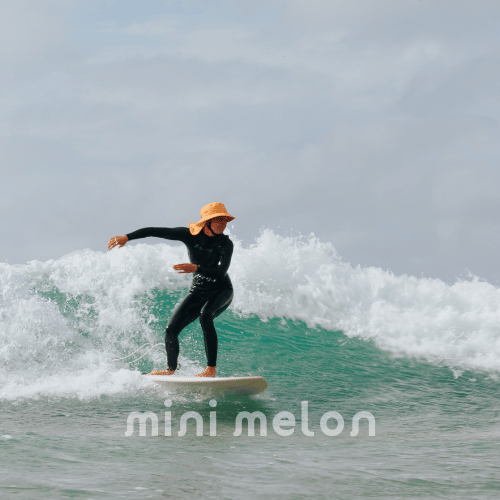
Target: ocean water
{"type": "Point", "coordinates": [420, 356]}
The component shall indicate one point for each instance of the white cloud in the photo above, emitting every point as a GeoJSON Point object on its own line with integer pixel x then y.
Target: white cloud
{"type": "Point", "coordinates": [155, 28]}
{"type": "Point", "coordinates": [30, 29]}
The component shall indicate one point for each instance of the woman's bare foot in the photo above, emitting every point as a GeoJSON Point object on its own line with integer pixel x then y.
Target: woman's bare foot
{"type": "Point", "coordinates": [162, 372]}
{"type": "Point", "coordinates": [209, 372]}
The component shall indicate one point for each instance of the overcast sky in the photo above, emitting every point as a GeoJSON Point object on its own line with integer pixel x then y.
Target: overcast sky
{"type": "Point", "coordinates": [372, 124]}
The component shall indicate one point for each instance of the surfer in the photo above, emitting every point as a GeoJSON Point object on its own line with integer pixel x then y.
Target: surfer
{"type": "Point", "coordinates": [211, 292]}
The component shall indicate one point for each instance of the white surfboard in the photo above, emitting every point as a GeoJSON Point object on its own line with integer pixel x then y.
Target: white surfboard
{"type": "Point", "coordinates": [211, 385]}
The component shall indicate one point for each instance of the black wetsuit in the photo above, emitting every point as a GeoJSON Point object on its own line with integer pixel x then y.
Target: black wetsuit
{"type": "Point", "coordinates": [211, 291]}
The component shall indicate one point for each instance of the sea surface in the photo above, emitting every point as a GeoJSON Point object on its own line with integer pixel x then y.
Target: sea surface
{"type": "Point", "coordinates": [420, 356]}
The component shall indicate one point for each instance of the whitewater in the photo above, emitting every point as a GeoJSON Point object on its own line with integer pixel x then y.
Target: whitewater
{"type": "Point", "coordinates": [64, 321]}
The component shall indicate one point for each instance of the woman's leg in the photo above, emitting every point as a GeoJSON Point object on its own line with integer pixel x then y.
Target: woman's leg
{"type": "Point", "coordinates": [215, 305]}
{"type": "Point", "coordinates": [187, 312]}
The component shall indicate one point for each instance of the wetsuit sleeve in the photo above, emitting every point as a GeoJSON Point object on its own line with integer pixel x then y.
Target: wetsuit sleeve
{"type": "Point", "coordinates": [167, 233]}
{"type": "Point", "coordinates": [223, 264]}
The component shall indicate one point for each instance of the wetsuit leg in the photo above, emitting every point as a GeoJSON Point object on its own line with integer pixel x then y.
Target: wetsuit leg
{"type": "Point", "coordinates": [187, 312]}
{"type": "Point", "coordinates": [215, 305]}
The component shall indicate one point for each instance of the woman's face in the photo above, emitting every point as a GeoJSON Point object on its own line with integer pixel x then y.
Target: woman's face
{"type": "Point", "coordinates": [218, 224]}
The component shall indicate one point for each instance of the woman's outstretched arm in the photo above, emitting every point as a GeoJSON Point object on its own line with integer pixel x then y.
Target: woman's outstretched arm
{"type": "Point", "coordinates": [174, 233]}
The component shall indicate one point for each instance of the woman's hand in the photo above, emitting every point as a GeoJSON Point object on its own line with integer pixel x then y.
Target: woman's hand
{"type": "Point", "coordinates": [117, 241]}
{"type": "Point", "coordinates": [186, 268]}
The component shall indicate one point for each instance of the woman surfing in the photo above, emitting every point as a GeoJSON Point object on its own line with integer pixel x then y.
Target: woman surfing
{"type": "Point", "coordinates": [211, 292]}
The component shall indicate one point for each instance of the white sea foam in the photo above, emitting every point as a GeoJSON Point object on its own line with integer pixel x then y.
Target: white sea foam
{"type": "Point", "coordinates": [65, 347]}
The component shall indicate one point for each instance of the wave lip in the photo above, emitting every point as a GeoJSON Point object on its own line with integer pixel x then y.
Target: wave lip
{"type": "Point", "coordinates": [304, 279]}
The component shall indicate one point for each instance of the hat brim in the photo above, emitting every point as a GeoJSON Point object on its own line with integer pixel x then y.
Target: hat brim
{"type": "Point", "coordinates": [196, 227]}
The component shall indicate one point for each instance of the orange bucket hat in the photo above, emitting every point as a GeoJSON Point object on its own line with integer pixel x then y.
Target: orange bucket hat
{"type": "Point", "coordinates": [208, 212]}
